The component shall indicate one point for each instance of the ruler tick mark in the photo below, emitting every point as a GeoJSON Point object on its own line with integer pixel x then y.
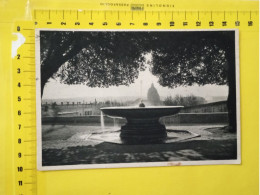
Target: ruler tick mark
{"type": "Point", "coordinates": [29, 112]}
{"type": "Point", "coordinates": [28, 85]}
{"type": "Point", "coordinates": [29, 183]}
{"type": "Point", "coordinates": [29, 126]}
{"type": "Point", "coordinates": [29, 169]}
{"type": "Point", "coordinates": [29, 154]}
{"type": "Point", "coordinates": [27, 99]}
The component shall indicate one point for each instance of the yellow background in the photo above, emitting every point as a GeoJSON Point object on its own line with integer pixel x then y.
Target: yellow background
{"type": "Point", "coordinates": [191, 180]}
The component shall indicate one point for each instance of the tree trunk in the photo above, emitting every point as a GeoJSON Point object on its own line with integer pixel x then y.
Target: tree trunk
{"type": "Point", "coordinates": [232, 100]}
{"type": "Point", "coordinates": [47, 71]}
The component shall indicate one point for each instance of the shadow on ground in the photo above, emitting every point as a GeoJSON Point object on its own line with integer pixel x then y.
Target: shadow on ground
{"type": "Point", "coordinates": [60, 148]}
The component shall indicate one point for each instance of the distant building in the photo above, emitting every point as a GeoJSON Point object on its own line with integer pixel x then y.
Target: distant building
{"type": "Point", "coordinates": [153, 96]}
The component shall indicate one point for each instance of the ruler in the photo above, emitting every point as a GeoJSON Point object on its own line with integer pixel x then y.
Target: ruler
{"type": "Point", "coordinates": [24, 90]}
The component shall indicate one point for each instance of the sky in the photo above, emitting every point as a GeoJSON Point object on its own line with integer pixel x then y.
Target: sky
{"type": "Point", "coordinates": [55, 90]}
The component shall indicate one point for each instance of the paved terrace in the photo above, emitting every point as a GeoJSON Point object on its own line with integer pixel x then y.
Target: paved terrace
{"type": "Point", "coordinates": [70, 145]}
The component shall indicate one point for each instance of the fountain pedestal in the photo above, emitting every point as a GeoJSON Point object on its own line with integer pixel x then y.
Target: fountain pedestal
{"type": "Point", "coordinates": [142, 129]}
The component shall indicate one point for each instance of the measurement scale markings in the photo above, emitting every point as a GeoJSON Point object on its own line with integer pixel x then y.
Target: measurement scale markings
{"type": "Point", "coordinates": [30, 130]}
{"type": "Point", "coordinates": [29, 112]}
{"type": "Point", "coordinates": [28, 99]}
{"type": "Point", "coordinates": [29, 169]}
{"type": "Point", "coordinates": [29, 85]}
{"type": "Point", "coordinates": [29, 183]}
{"type": "Point", "coordinates": [28, 57]}
{"type": "Point", "coordinates": [29, 154]}
{"type": "Point", "coordinates": [31, 64]}
{"type": "Point", "coordinates": [29, 126]}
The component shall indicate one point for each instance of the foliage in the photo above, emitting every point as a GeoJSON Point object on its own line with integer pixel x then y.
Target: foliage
{"type": "Point", "coordinates": [95, 59]}
{"type": "Point", "coordinates": [103, 59]}
{"type": "Point", "coordinates": [187, 58]}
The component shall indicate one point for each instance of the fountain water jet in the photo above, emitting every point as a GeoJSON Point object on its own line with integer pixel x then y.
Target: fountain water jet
{"type": "Point", "coordinates": [102, 123]}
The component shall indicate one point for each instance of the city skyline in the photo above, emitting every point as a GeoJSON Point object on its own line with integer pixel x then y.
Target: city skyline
{"type": "Point", "coordinates": [56, 90]}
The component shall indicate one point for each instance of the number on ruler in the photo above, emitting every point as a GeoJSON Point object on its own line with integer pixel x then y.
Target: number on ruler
{"type": "Point", "coordinates": [18, 56]}
{"type": "Point", "coordinates": [19, 155]}
{"type": "Point", "coordinates": [20, 169]}
{"type": "Point", "coordinates": [20, 182]}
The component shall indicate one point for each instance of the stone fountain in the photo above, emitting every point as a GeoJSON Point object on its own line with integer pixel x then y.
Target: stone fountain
{"type": "Point", "coordinates": [143, 125]}
{"type": "Point", "coordinates": [142, 122]}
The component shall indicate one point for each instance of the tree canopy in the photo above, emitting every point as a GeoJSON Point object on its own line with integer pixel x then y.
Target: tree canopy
{"type": "Point", "coordinates": [112, 58]}
{"type": "Point", "coordinates": [102, 59]}
{"type": "Point", "coordinates": [96, 59]}
{"type": "Point", "coordinates": [188, 58]}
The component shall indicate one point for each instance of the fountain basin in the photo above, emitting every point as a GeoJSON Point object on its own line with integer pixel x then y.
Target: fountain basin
{"type": "Point", "coordinates": [142, 122]}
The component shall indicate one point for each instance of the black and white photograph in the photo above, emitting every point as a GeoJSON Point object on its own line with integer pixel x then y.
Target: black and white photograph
{"type": "Point", "coordinates": [137, 98]}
